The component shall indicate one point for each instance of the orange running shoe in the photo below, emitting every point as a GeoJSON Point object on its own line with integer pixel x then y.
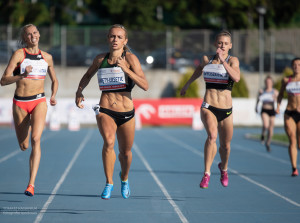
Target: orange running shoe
{"type": "Point", "coordinates": [30, 190]}
{"type": "Point", "coordinates": [295, 173]}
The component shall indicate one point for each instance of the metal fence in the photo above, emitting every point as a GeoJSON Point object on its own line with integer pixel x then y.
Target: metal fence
{"type": "Point", "coordinates": [77, 46]}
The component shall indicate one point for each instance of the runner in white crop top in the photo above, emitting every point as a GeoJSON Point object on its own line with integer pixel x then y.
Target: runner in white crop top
{"type": "Point", "coordinates": [291, 84]}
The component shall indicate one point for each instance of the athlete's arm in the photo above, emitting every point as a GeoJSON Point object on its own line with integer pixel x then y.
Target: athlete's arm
{"type": "Point", "coordinates": [135, 71]}
{"type": "Point", "coordinates": [51, 71]}
{"type": "Point", "coordinates": [257, 101]}
{"type": "Point", "coordinates": [280, 95]}
{"type": "Point", "coordinates": [197, 73]}
{"type": "Point", "coordinates": [232, 67]}
{"type": "Point", "coordinates": [7, 77]}
{"type": "Point", "coordinates": [85, 80]}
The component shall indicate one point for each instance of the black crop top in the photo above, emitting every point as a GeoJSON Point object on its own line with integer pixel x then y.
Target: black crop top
{"type": "Point", "coordinates": [111, 78]}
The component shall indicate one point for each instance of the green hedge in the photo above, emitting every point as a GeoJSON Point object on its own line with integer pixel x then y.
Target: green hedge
{"type": "Point", "coordinates": [286, 72]}
{"type": "Point", "coordinates": [192, 91]}
{"type": "Point", "coordinates": [240, 89]}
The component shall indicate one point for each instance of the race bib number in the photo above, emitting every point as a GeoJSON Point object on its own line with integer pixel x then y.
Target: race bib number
{"type": "Point", "coordinates": [111, 79]}
{"type": "Point", "coordinates": [215, 73]}
{"type": "Point", "coordinates": [39, 69]}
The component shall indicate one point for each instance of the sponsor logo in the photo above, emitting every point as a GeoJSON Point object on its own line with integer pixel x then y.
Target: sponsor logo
{"type": "Point", "coordinates": [228, 113]}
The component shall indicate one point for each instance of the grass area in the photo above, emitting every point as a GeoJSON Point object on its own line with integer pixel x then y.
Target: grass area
{"type": "Point", "coordinates": [276, 137]}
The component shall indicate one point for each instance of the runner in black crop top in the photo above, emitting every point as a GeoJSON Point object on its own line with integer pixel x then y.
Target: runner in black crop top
{"type": "Point", "coordinates": [129, 83]}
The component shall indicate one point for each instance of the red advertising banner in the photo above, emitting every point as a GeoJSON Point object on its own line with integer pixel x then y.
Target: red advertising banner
{"type": "Point", "coordinates": [167, 111]}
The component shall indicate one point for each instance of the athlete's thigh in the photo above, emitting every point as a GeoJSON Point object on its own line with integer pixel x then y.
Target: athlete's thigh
{"type": "Point", "coordinates": [298, 134]}
{"type": "Point", "coordinates": [225, 130]}
{"type": "Point", "coordinates": [125, 135]}
{"type": "Point", "coordinates": [38, 118]}
{"type": "Point", "coordinates": [22, 123]}
{"type": "Point", "coordinates": [265, 118]}
{"type": "Point", "coordinates": [209, 121]}
{"type": "Point", "coordinates": [272, 121]}
{"type": "Point", "coordinates": [107, 126]}
{"type": "Point", "coordinates": [289, 126]}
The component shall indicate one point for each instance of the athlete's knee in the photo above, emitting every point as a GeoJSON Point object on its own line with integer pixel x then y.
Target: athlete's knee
{"type": "Point", "coordinates": [212, 138]}
{"type": "Point", "coordinates": [125, 153]}
{"type": "Point", "coordinates": [24, 146]}
{"type": "Point", "coordinates": [35, 140]}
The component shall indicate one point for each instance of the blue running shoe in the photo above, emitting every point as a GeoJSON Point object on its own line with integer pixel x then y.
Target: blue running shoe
{"type": "Point", "coordinates": [107, 191]}
{"type": "Point", "coordinates": [125, 190]}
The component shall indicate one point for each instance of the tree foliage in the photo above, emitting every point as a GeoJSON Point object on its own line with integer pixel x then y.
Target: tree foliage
{"type": "Point", "coordinates": [142, 14]}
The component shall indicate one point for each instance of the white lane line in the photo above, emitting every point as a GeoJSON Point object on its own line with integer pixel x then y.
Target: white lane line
{"type": "Point", "coordinates": [193, 150]}
{"type": "Point", "coordinates": [63, 177]}
{"type": "Point", "coordinates": [268, 156]}
{"type": "Point", "coordinates": [12, 154]}
{"type": "Point", "coordinates": [264, 187]}
{"type": "Point", "coordinates": [161, 186]}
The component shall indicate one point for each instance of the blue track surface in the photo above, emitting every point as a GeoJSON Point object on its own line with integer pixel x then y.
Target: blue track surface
{"type": "Point", "coordinates": [164, 178]}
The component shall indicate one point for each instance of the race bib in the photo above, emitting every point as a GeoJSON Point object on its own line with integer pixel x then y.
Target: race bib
{"type": "Point", "coordinates": [215, 73]}
{"type": "Point", "coordinates": [39, 69]}
{"type": "Point", "coordinates": [111, 78]}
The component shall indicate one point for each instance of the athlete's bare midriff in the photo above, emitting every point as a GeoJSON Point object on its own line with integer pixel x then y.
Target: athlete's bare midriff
{"type": "Point", "coordinates": [218, 98]}
{"type": "Point", "coordinates": [293, 103]}
{"type": "Point", "coordinates": [118, 101]}
{"type": "Point", "coordinates": [28, 87]}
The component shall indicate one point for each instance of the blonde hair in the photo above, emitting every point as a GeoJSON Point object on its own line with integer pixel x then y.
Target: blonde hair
{"type": "Point", "coordinates": [224, 33]}
{"type": "Point", "coordinates": [126, 47]}
{"type": "Point", "coordinates": [22, 41]}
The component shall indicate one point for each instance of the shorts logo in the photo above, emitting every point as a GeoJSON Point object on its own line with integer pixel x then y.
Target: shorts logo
{"type": "Point", "coordinates": [228, 113]}
{"type": "Point", "coordinates": [127, 117]}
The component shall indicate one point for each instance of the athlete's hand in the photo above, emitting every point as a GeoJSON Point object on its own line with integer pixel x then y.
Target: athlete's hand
{"type": "Point", "coordinates": [52, 101]}
{"type": "Point", "coordinates": [183, 90]}
{"type": "Point", "coordinates": [28, 70]}
{"type": "Point", "coordinates": [121, 62]}
{"type": "Point", "coordinates": [220, 55]}
{"type": "Point", "coordinates": [78, 99]}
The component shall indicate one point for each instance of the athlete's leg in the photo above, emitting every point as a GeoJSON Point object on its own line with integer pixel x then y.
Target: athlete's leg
{"type": "Point", "coordinates": [225, 135]}
{"type": "Point", "coordinates": [298, 134]}
{"type": "Point", "coordinates": [290, 129]}
{"type": "Point", "coordinates": [22, 126]}
{"type": "Point", "coordinates": [270, 130]}
{"type": "Point", "coordinates": [210, 148]}
{"type": "Point", "coordinates": [38, 118]}
{"type": "Point", "coordinates": [107, 128]}
{"type": "Point", "coordinates": [125, 135]}
{"type": "Point", "coordinates": [265, 121]}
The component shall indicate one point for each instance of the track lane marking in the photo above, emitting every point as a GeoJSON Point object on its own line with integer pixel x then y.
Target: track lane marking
{"type": "Point", "coordinates": [161, 186]}
{"type": "Point", "coordinates": [63, 177]}
{"type": "Point", "coordinates": [195, 151]}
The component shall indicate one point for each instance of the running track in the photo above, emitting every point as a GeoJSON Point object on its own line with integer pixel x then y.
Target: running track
{"type": "Point", "coordinates": [165, 175]}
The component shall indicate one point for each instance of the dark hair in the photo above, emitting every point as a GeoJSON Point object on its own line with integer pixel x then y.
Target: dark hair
{"type": "Point", "coordinates": [224, 33]}
{"type": "Point", "coordinates": [293, 61]}
{"type": "Point", "coordinates": [22, 41]}
{"type": "Point", "coordinates": [126, 48]}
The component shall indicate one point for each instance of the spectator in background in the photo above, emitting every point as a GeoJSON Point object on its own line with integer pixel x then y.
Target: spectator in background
{"type": "Point", "coordinates": [267, 96]}
{"type": "Point", "coordinates": [28, 68]}
{"type": "Point", "coordinates": [220, 71]}
{"type": "Point", "coordinates": [118, 71]}
{"type": "Point", "coordinates": [291, 85]}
